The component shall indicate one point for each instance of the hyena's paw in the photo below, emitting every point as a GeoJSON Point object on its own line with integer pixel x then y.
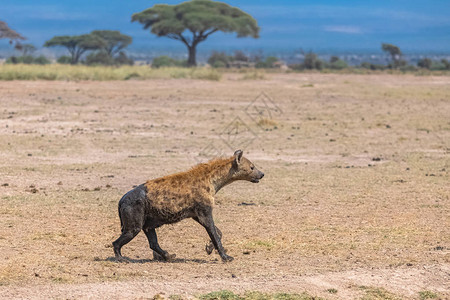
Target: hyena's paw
{"type": "Point", "coordinates": [157, 257]}
{"type": "Point", "coordinates": [170, 257]}
{"type": "Point", "coordinates": [167, 256]}
{"type": "Point", "coordinates": [227, 258]}
{"type": "Point", "coordinates": [209, 248]}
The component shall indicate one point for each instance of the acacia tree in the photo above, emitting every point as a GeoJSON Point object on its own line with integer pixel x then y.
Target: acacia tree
{"type": "Point", "coordinates": [8, 33]}
{"type": "Point", "coordinates": [27, 49]}
{"type": "Point", "coordinates": [194, 21]}
{"type": "Point", "coordinates": [76, 45]}
{"type": "Point", "coordinates": [394, 52]}
{"type": "Point", "coordinates": [114, 41]}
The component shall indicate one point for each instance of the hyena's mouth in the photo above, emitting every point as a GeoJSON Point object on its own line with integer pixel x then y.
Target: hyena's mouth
{"type": "Point", "coordinates": [254, 180]}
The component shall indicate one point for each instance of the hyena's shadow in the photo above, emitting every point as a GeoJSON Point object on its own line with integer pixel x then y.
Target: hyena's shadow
{"type": "Point", "coordinates": [147, 260]}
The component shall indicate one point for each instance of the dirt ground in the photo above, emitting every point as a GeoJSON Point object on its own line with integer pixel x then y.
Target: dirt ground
{"type": "Point", "coordinates": [356, 192]}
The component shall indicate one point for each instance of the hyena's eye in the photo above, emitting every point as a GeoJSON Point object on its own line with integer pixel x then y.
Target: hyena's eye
{"type": "Point", "coordinates": [252, 167]}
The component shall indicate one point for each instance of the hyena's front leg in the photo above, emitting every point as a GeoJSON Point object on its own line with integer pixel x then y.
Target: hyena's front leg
{"type": "Point", "coordinates": [204, 217]}
{"type": "Point", "coordinates": [210, 247]}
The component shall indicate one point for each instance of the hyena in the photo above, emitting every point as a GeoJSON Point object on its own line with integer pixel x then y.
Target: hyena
{"type": "Point", "coordinates": [172, 198]}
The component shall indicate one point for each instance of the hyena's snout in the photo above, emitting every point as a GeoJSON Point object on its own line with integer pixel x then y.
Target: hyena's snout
{"type": "Point", "coordinates": [257, 177]}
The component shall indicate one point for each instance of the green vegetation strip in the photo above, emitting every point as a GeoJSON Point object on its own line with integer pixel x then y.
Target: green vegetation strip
{"type": "Point", "coordinates": [78, 72]}
{"type": "Point", "coordinates": [228, 295]}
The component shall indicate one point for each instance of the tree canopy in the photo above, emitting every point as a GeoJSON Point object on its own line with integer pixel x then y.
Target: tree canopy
{"type": "Point", "coordinates": [27, 49]}
{"type": "Point", "coordinates": [76, 45]}
{"type": "Point", "coordinates": [393, 51]}
{"type": "Point", "coordinates": [114, 41]}
{"type": "Point", "coordinates": [8, 33]}
{"type": "Point", "coordinates": [194, 21]}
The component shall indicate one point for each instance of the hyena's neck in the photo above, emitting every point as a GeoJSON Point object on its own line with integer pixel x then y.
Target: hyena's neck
{"type": "Point", "coordinates": [221, 175]}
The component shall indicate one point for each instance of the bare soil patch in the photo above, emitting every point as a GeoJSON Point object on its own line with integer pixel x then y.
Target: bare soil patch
{"type": "Point", "coordinates": [356, 192]}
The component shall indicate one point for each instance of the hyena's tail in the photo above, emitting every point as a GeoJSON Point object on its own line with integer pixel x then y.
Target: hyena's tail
{"type": "Point", "coordinates": [120, 217]}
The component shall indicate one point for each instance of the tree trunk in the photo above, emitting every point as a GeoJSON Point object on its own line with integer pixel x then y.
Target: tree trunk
{"type": "Point", "coordinates": [192, 61]}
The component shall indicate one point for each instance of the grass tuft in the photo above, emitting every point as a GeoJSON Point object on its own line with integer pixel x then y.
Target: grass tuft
{"type": "Point", "coordinates": [254, 75]}
{"type": "Point", "coordinates": [220, 295]}
{"type": "Point", "coordinates": [267, 123]}
{"type": "Point", "coordinates": [423, 295]}
{"type": "Point", "coordinates": [372, 293]}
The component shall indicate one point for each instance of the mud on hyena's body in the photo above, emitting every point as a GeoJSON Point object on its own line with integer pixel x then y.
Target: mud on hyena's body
{"type": "Point", "coordinates": [179, 196]}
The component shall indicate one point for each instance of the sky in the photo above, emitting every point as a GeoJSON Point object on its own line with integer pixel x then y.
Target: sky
{"type": "Point", "coordinates": [416, 26]}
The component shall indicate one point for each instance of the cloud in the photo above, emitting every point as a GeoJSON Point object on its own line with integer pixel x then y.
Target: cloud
{"type": "Point", "coordinates": [343, 29]}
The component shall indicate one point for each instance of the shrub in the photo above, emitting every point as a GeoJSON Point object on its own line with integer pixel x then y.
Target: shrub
{"type": "Point", "coordinates": [41, 60]}
{"type": "Point", "coordinates": [408, 68]}
{"type": "Point", "coordinates": [371, 66]}
{"type": "Point", "coordinates": [270, 61]}
{"type": "Point", "coordinates": [267, 63]}
{"type": "Point", "coordinates": [103, 58]}
{"type": "Point", "coordinates": [166, 61]}
{"type": "Point", "coordinates": [99, 58]}
{"type": "Point", "coordinates": [334, 59]}
{"type": "Point", "coordinates": [218, 60]}
{"type": "Point", "coordinates": [319, 64]}
{"type": "Point", "coordinates": [425, 63]}
{"type": "Point", "coordinates": [219, 64]}
{"type": "Point", "coordinates": [240, 56]}
{"type": "Point", "coordinates": [65, 60]}
{"type": "Point", "coordinates": [446, 64]}
{"type": "Point", "coordinates": [297, 67]}
{"type": "Point", "coordinates": [123, 59]}
{"type": "Point", "coordinates": [337, 64]}
{"type": "Point", "coordinates": [397, 64]}
{"type": "Point", "coordinates": [310, 60]}
{"type": "Point", "coordinates": [28, 60]}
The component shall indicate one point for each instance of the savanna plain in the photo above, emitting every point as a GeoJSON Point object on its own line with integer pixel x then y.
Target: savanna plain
{"type": "Point", "coordinates": [354, 204]}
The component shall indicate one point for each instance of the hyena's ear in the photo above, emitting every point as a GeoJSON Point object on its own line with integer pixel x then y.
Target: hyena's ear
{"type": "Point", "coordinates": [237, 156]}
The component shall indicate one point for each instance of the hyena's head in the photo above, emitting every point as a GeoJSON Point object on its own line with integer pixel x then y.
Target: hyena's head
{"type": "Point", "coordinates": [245, 169]}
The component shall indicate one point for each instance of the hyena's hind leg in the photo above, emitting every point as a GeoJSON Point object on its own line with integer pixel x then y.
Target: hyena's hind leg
{"type": "Point", "coordinates": [124, 239]}
{"type": "Point", "coordinates": [209, 248]}
{"type": "Point", "coordinates": [131, 219]}
{"type": "Point", "coordinates": [158, 253]}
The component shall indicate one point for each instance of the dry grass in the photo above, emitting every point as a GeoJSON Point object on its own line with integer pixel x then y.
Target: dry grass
{"type": "Point", "coordinates": [254, 75]}
{"type": "Point", "coordinates": [102, 73]}
{"type": "Point", "coordinates": [356, 181]}
{"type": "Point", "coordinates": [267, 123]}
